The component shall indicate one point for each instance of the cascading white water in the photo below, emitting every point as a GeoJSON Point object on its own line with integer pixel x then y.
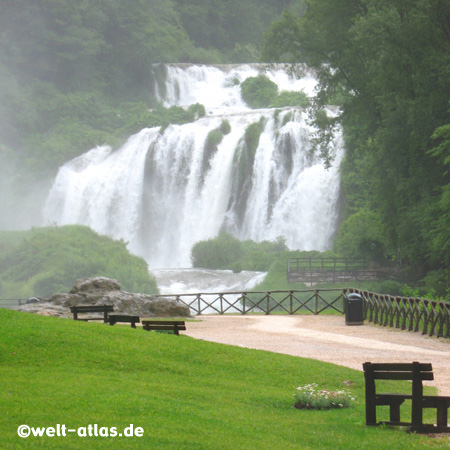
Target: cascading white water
{"type": "Point", "coordinates": [162, 193]}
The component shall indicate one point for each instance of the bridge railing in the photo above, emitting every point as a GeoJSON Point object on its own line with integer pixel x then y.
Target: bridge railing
{"type": "Point", "coordinates": [313, 270]}
{"type": "Point", "coordinates": [407, 313]}
{"type": "Point", "coordinates": [290, 302]}
{"type": "Point", "coordinates": [299, 264]}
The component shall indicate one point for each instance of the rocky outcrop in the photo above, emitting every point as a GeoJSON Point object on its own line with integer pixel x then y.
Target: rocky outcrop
{"type": "Point", "coordinates": [106, 291]}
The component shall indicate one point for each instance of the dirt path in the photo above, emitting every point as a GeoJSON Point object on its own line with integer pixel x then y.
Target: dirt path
{"type": "Point", "coordinates": [327, 338]}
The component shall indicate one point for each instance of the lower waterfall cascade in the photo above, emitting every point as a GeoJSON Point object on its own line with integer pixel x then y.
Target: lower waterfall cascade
{"type": "Point", "coordinates": [163, 191]}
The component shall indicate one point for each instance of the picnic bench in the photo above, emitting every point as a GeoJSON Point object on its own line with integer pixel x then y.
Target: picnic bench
{"type": "Point", "coordinates": [164, 325]}
{"type": "Point", "coordinates": [417, 373]}
{"type": "Point", "coordinates": [128, 318]}
{"type": "Point", "coordinates": [83, 309]}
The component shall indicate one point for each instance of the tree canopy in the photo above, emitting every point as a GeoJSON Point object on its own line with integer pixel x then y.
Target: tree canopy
{"type": "Point", "coordinates": [387, 65]}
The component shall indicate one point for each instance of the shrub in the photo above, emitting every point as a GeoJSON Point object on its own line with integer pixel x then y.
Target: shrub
{"type": "Point", "coordinates": [291, 98]}
{"type": "Point", "coordinates": [361, 235]}
{"type": "Point", "coordinates": [252, 135]}
{"type": "Point", "coordinates": [218, 253]}
{"type": "Point", "coordinates": [259, 92]}
{"type": "Point", "coordinates": [213, 139]}
{"type": "Point", "coordinates": [197, 110]}
{"type": "Point", "coordinates": [225, 127]}
{"type": "Point", "coordinates": [44, 261]}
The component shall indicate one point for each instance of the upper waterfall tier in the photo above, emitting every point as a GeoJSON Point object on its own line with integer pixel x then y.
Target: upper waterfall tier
{"type": "Point", "coordinates": [218, 87]}
{"type": "Point", "coordinates": [163, 191]}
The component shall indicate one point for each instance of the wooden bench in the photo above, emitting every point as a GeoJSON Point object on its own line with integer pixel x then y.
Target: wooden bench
{"type": "Point", "coordinates": [115, 318]}
{"type": "Point", "coordinates": [105, 309]}
{"type": "Point", "coordinates": [164, 325]}
{"type": "Point", "coordinates": [417, 373]}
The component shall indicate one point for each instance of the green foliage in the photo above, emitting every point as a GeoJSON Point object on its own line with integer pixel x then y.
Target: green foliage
{"type": "Point", "coordinates": [291, 98]}
{"type": "Point", "coordinates": [361, 236]}
{"type": "Point", "coordinates": [214, 138]}
{"type": "Point", "coordinates": [374, 59]}
{"type": "Point", "coordinates": [44, 261]}
{"type": "Point", "coordinates": [234, 27]}
{"type": "Point", "coordinates": [260, 256]}
{"type": "Point", "coordinates": [259, 92]}
{"type": "Point", "coordinates": [252, 135]}
{"type": "Point", "coordinates": [218, 253]}
{"type": "Point", "coordinates": [198, 111]}
{"type": "Point", "coordinates": [227, 252]}
{"type": "Point", "coordinates": [438, 282]}
{"type": "Point", "coordinates": [225, 127]}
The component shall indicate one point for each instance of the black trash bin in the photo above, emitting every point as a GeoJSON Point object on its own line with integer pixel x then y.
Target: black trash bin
{"type": "Point", "coordinates": [354, 309]}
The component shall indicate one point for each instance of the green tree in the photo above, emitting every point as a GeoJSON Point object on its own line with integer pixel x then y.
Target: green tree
{"type": "Point", "coordinates": [361, 236]}
{"type": "Point", "coordinates": [259, 92]}
{"type": "Point", "coordinates": [387, 63]}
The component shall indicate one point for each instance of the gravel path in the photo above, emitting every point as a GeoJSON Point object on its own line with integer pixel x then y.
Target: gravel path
{"type": "Point", "coordinates": [327, 338]}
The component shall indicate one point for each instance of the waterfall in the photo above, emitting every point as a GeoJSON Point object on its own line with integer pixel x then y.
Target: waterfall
{"type": "Point", "coordinates": [164, 191]}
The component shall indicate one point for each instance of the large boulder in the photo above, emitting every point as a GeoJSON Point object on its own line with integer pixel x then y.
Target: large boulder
{"type": "Point", "coordinates": [95, 284]}
{"type": "Point", "coordinates": [106, 291]}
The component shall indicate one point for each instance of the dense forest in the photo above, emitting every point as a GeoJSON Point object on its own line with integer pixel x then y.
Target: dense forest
{"type": "Point", "coordinates": [75, 74]}
{"type": "Point", "coordinates": [387, 65]}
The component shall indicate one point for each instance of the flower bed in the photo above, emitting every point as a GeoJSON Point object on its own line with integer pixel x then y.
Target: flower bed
{"type": "Point", "coordinates": [310, 397]}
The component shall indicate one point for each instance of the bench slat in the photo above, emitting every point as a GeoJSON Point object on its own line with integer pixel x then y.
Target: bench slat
{"type": "Point", "coordinates": [128, 318]}
{"type": "Point", "coordinates": [80, 309]}
{"type": "Point", "coordinates": [402, 376]}
{"type": "Point", "coordinates": [401, 367]}
{"type": "Point", "coordinates": [91, 308]}
{"type": "Point", "coordinates": [163, 327]}
{"type": "Point", "coordinates": [163, 322]}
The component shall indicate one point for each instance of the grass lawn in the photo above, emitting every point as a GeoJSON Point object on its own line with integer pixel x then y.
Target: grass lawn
{"type": "Point", "coordinates": [184, 393]}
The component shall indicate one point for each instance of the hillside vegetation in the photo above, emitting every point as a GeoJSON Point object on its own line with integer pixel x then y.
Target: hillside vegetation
{"type": "Point", "coordinates": [184, 393]}
{"type": "Point", "coordinates": [44, 261]}
{"type": "Point", "coordinates": [386, 65]}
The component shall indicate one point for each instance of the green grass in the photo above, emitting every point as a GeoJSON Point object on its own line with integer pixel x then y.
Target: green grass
{"type": "Point", "coordinates": [184, 393]}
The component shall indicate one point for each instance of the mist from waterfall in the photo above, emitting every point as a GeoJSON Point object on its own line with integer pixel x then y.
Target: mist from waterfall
{"type": "Point", "coordinates": [163, 192]}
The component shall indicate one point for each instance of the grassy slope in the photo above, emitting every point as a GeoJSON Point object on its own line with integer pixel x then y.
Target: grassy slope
{"type": "Point", "coordinates": [185, 393]}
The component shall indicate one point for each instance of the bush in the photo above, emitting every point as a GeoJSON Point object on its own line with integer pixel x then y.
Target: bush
{"type": "Point", "coordinates": [218, 253]}
{"type": "Point", "coordinates": [213, 139]}
{"type": "Point", "coordinates": [225, 127]}
{"type": "Point", "coordinates": [44, 261]}
{"type": "Point", "coordinates": [227, 252]}
{"type": "Point", "coordinates": [252, 135]}
{"type": "Point", "coordinates": [291, 98]}
{"type": "Point", "coordinates": [259, 92]}
{"type": "Point", "coordinates": [361, 236]}
{"type": "Point", "coordinates": [197, 110]}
